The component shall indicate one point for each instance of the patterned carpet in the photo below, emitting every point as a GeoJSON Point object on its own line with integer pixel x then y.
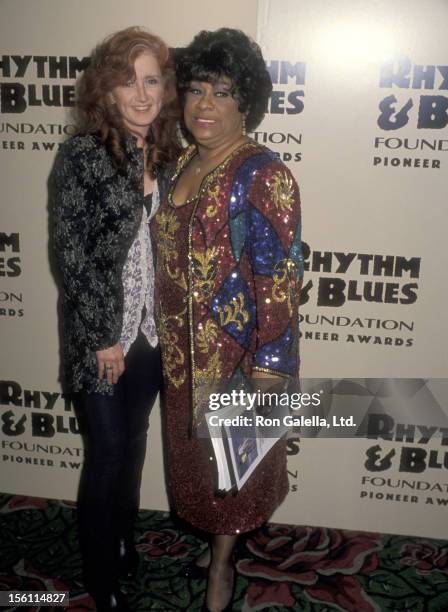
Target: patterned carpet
{"type": "Point", "coordinates": [279, 567]}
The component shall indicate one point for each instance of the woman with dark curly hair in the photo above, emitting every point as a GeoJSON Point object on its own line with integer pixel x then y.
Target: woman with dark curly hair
{"type": "Point", "coordinates": [228, 275]}
{"type": "Point", "coordinates": [107, 187]}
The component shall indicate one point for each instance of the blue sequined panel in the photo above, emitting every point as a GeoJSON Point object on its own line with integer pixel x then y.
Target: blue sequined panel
{"type": "Point", "coordinates": [233, 308]}
{"type": "Point", "coordinates": [266, 246]}
{"type": "Point", "coordinates": [295, 252]}
{"type": "Point", "coordinates": [237, 227]}
{"type": "Point", "coordinates": [243, 182]}
{"type": "Point", "coordinates": [273, 355]}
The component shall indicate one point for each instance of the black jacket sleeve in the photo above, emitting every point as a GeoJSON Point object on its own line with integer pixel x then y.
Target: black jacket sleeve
{"type": "Point", "coordinates": [83, 281]}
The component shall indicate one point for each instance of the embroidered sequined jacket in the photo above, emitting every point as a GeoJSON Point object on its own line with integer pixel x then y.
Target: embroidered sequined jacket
{"type": "Point", "coordinates": [96, 213]}
{"type": "Point", "coordinates": [238, 298]}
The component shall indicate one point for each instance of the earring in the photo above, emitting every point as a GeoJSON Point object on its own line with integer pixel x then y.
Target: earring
{"type": "Point", "coordinates": [243, 130]}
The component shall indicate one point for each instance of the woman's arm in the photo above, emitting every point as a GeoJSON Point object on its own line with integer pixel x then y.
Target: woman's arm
{"type": "Point", "coordinates": [83, 283]}
{"type": "Point", "coordinates": [274, 247]}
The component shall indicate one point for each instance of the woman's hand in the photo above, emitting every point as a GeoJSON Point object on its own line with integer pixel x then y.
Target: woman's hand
{"type": "Point", "coordinates": [110, 363]}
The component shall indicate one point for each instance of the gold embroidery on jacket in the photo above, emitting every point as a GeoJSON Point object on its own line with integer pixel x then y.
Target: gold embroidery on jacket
{"type": "Point", "coordinates": [234, 312]}
{"type": "Point", "coordinates": [282, 190]}
{"type": "Point", "coordinates": [167, 226]}
{"type": "Point", "coordinates": [285, 282]}
{"type": "Point", "coordinates": [206, 335]}
{"type": "Point", "coordinates": [214, 193]}
{"type": "Point", "coordinates": [205, 380]}
{"type": "Point", "coordinates": [212, 373]}
{"type": "Point", "coordinates": [204, 273]}
{"type": "Point", "coordinates": [173, 357]}
{"type": "Point", "coordinates": [183, 159]}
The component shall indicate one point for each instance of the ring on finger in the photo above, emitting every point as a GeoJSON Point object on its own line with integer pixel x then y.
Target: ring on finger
{"type": "Point", "coordinates": [109, 367]}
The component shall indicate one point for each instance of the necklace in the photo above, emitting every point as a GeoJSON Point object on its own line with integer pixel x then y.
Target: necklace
{"type": "Point", "coordinates": [214, 161]}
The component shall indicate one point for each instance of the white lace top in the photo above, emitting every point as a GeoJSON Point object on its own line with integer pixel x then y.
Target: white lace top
{"type": "Point", "coordinates": [138, 283]}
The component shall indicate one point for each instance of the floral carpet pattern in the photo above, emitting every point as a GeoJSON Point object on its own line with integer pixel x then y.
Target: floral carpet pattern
{"type": "Point", "coordinates": [280, 567]}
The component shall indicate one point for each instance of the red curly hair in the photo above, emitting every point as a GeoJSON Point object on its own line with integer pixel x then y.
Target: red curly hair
{"type": "Point", "coordinates": [111, 65]}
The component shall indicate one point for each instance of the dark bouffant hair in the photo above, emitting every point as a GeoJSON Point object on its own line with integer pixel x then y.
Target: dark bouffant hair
{"type": "Point", "coordinates": [112, 64]}
{"type": "Point", "coordinates": [228, 52]}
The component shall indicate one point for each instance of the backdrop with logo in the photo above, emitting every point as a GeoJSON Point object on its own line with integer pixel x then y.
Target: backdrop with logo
{"type": "Point", "coordinates": [359, 113]}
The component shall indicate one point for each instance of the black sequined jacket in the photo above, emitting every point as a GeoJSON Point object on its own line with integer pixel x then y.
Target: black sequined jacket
{"type": "Point", "coordinates": [96, 213]}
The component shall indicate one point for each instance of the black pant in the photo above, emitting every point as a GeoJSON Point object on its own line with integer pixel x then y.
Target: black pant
{"type": "Point", "coordinates": [114, 429]}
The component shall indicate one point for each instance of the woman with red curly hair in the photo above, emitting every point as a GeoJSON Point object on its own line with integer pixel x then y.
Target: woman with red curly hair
{"type": "Point", "coordinates": [107, 186]}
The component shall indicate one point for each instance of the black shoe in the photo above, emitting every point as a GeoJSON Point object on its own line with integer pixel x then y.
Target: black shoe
{"type": "Point", "coordinates": [129, 559]}
{"type": "Point", "coordinates": [193, 571]}
{"type": "Point", "coordinates": [112, 602]}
